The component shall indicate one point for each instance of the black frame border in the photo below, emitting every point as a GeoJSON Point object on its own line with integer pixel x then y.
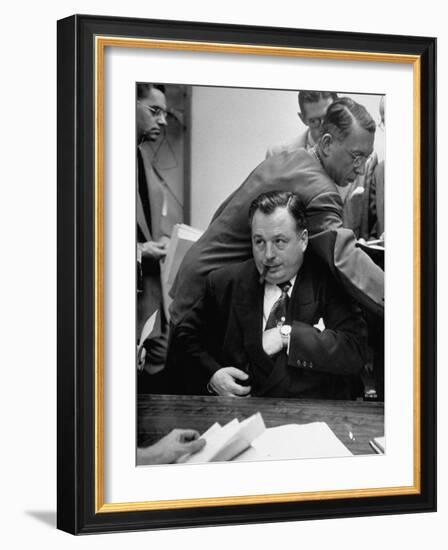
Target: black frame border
{"type": "Point", "coordinates": [76, 262]}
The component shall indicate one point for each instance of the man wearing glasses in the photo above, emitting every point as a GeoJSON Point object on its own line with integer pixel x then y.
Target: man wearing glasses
{"type": "Point", "coordinates": [348, 133]}
{"type": "Point", "coordinates": [156, 216]}
{"type": "Point", "coordinates": [313, 106]}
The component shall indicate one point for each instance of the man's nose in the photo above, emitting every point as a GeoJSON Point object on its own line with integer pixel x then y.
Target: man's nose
{"type": "Point", "coordinates": [162, 119]}
{"type": "Point", "coordinates": [269, 252]}
{"type": "Point", "coordinates": [361, 169]}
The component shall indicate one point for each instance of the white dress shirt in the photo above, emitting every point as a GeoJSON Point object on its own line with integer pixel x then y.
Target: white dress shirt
{"type": "Point", "coordinates": [271, 294]}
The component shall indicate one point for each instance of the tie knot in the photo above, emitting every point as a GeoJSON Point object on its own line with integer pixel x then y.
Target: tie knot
{"type": "Point", "coordinates": [284, 287]}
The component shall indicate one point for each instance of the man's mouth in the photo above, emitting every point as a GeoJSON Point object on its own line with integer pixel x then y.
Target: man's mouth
{"type": "Point", "coordinates": [151, 135]}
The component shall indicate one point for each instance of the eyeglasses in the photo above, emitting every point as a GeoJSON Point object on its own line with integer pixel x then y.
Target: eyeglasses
{"type": "Point", "coordinates": [156, 112]}
{"type": "Point", "coordinates": [315, 122]}
{"type": "Point", "coordinates": [358, 159]}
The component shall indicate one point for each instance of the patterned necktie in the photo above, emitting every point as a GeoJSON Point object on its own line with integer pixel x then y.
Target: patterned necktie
{"type": "Point", "coordinates": [278, 312]}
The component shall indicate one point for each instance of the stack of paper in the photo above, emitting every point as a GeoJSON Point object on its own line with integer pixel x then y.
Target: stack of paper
{"type": "Point", "coordinates": [314, 440]}
{"type": "Point", "coordinates": [225, 442]}
{"type": "Point", "coordinates": [182, 237]}
{"type": "Point", "coordinates": [250, 440]}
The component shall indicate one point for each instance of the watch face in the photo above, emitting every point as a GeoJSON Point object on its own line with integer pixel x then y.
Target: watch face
{"type": "Point", "coordinates": [285, 330]}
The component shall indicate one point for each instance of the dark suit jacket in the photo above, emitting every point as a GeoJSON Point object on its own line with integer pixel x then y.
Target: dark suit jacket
{"type": "Point", "coordinates": [377, 201]}
{"type": "Point", "coordinates": [227, 239]}
{"type": "Point", "coordinates": [153, 222]}
{"type": "Point", "coordinates": [225, 329]}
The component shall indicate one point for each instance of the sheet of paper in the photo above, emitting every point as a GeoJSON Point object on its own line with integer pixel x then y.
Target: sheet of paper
{"type": "Point", "coordinates": [214, 429]}
{"type": "Point", "coordinates": [315, 440]}
{"type": "Point", "coordinates": [224, 443]}
{"type": "Point", "coordinates": [215, 440]}
{"type": "Point", "coordinates": [249, 429]}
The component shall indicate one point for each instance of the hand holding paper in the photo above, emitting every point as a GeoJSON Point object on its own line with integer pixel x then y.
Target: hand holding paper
{"type": "Point", "coordinates": [171, 447]}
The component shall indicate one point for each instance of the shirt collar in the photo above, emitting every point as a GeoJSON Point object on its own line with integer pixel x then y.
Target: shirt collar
{"type": "Point", "coordinates": [272, 286]}
{"type": "Point", "coordinates": [309, 140]}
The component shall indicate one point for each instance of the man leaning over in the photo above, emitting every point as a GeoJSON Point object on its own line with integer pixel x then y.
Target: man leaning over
{"type": "Point", "coordinates": [340, 156]}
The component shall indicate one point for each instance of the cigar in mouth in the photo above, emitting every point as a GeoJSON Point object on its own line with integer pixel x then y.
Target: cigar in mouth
{"type": "Point", "coordinates": [263, 274]}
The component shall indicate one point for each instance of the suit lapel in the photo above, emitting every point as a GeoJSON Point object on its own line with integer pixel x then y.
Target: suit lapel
{"type": "Point", "coordinates": [155, 192]}
{"type": "Point", "coordinates": [248, 308]}
{"type": "Point", "coordinates": [141, 219]}
{"type": "Point", "coordinates": [140, 212]}
{"type": "Point", "coordinates": [302, 303]}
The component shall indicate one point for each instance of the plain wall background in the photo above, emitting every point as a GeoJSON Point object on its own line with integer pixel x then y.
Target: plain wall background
{"type": "Point", "coordinates": [28, 275]}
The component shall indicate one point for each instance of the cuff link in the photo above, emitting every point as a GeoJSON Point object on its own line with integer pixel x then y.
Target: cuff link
{"type": "Point", "coordinates": [306, 364]}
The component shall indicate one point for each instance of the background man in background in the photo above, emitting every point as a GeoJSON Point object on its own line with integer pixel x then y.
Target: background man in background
{"type": "Point", "coordinates": [257, 318]}
{"type": "Point", "coordinates": [313, 106]}
{"type": "Point", "coordinates": [156, 217]}
{"type": "Point", "coordinates": [373, 226]}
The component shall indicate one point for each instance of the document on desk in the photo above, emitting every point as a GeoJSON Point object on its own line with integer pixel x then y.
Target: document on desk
{"type": "Point", "coordinates": [226, 442]}
{"type": "Point", "coordinates": [250, 440]}
{"type": "Point", "coordinates": [314, 440]}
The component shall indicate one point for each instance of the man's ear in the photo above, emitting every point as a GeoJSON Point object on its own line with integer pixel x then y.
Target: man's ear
{"type": "Point", "coordinates": [304, 239]}
{"type": "Point", "coordinates": [325, 142]}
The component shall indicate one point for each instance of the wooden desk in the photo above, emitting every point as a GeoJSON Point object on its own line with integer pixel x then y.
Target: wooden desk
{"type": "Point", "coordinates": [159, 414]}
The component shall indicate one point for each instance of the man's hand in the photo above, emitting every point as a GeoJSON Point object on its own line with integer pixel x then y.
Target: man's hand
{"type": "Point", "coordinates": [223, 382]}
{"type": "Point", "coordinates": [272, 341]}
{"type": "Point", "coordinates": [152, 249]}
{"type": "Point", "coordinates": [171, 447]}
{"type": "Point", "coordinates": [164, 241]}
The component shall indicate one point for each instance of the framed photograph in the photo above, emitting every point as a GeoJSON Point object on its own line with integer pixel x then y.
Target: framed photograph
{"type": "Point", "coordinates": [236, 342]}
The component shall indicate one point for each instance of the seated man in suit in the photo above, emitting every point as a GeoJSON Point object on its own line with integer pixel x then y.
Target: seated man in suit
{"type": "Point", "coordinates": [255, 330]}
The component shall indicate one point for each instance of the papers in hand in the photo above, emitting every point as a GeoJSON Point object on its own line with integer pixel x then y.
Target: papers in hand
{"type": "Point", "coordinates": [250, 440]}
{"type": "Point", "coordinates": [182, 237]}
{"type": "Point", "coordinates": [226, 442]}
{"type": "Point", "coordinates": [146, 332]}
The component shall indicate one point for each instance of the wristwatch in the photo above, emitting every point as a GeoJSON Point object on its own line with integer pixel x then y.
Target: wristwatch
{"type": "Point", "coordinates": [285, 331]}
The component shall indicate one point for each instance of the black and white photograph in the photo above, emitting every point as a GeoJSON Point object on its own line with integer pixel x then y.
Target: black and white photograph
{"type": "Point", "coordinates": [260, 245]}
